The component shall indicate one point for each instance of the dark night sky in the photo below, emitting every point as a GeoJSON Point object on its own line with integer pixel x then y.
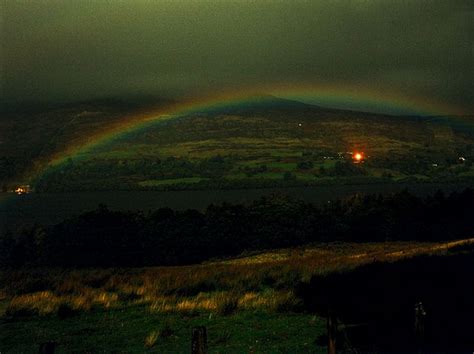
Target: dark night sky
{"type": "Point", "coordinates": [68, 50]}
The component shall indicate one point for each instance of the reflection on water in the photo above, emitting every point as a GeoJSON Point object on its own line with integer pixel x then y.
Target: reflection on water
{"type": "Point", "coordinates": [50, 208]}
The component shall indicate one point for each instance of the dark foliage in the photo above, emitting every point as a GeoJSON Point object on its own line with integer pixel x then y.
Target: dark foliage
{"type": "Point", "coordinates": [167, 237]}
{"type": "Point", "coordinates": [381, 298]}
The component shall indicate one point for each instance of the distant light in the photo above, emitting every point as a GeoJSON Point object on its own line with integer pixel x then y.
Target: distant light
{"type": "Point", "coordinates": [358, 156]}
{"type": "Point", "coordinates": [22, 189]}
{"type": "Point", "coordinates": [299, 124]}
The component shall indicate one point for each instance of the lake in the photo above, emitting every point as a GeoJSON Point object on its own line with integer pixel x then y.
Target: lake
{"type": "Point", "coordinates": [50, 208]}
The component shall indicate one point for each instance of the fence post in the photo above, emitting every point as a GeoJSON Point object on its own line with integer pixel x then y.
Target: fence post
{"type": "Point", "coordinates": [47, 348]}
{"type": "Point", "coordinates": [199, 340]}
{"type": "Point", "coordinates": [332, 331]}
{"type": "Point", "coordinates": [419, 325]}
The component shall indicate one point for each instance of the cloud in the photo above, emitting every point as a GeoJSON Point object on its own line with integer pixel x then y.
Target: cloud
{"type": "Point", "coordinates": [57, 50]}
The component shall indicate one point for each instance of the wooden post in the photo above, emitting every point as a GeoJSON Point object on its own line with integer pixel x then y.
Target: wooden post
{"type": "Point", "coordinates": [47, 348]}
{"type": "Point", "coordinates": [199, 340]}
{"type": "Point", "coordinates": [332, 332]}
{"type": "Point", "coordinates": [419, 325]}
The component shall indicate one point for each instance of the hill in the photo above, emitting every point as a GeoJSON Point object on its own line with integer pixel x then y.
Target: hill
{"type": "Point", "coordinates": [266, 142]}
{"type": "Point", "coordinates": [29, 133]}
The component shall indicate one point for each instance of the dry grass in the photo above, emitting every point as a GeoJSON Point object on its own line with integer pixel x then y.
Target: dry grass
{"type": "Point", "coordinates": [151, 339]}
{"type": "Point", "coordinates": [48, 302]}
{"type": "Point", "coordinates": [257, 282]}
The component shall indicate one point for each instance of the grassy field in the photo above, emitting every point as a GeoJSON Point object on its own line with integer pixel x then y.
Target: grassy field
{"type": "Point", "coordinates": [248, 303]}
{"type": "Point", "coordinates": [171, 181]}
{"type": "Point", "coordinates": [134, 328]}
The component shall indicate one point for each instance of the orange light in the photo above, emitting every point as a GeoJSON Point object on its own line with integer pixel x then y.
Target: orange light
{"type": "Point", "coordinates": [358, 156]}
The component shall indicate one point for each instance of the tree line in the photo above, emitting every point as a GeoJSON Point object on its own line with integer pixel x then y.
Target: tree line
{"type": "Point", "coordinates": [108, 238]}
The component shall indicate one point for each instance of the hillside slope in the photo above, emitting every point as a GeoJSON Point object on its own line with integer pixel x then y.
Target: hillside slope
{"type": "Point", "coordinates": [269, 141]}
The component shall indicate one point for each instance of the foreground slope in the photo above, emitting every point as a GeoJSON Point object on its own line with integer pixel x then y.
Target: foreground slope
{"type": "Point", "coordinates": [255, 302]}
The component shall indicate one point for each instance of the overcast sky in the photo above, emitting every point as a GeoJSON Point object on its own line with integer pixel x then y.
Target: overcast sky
{"type": "Point", "coordinates": [70, 49]}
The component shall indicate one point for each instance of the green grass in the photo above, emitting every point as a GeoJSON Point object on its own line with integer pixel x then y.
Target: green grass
{"type": "Point", "coordinates": [126, 329]}
{"type": "Point", "coordinates": [328, 164]}
{"type": "Point", "coordinates": [127, 152]}
{"type": "Point", "coordinates": [306, 176]}
{"type": "Point", "coordinates": [254, 162]}
{"type": "Point", "coordinates": [286, 153]}
{"type": "Point", "coordinates": [469, 173]}
{"type": "Point", "coordinates": [269, 175]}
{"type": "Point", "coordinates": [283, 166]}
{"type": "Point", "coordinates": [161, 182]}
